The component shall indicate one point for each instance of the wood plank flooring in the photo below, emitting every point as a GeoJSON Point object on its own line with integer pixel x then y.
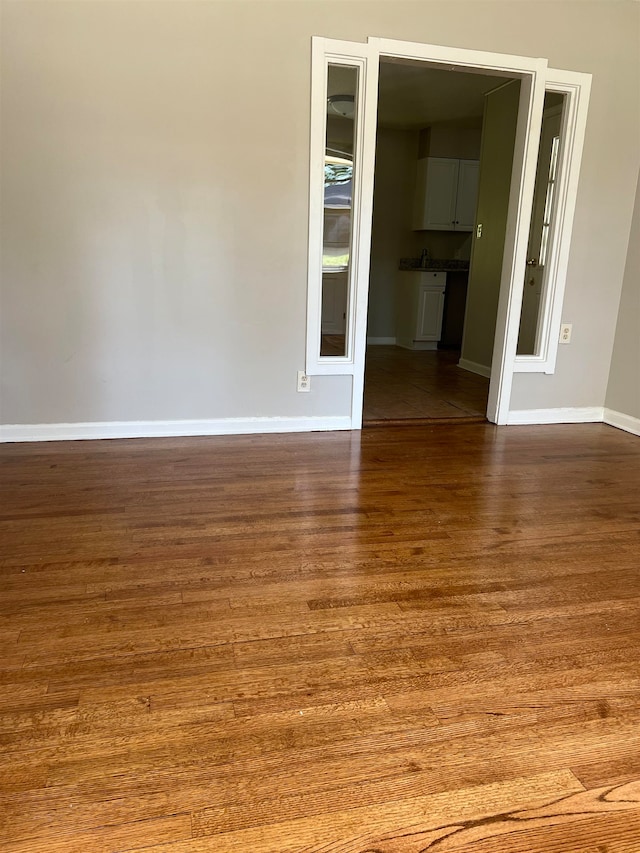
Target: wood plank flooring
{"type": "Point", "coordinates": [426, 385]}
{"type": "Point", "coordinates": [406, 640]}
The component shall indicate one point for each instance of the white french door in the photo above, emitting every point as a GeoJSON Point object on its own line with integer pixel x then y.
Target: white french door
{"type": "Point", "coordinates": [355, 156]}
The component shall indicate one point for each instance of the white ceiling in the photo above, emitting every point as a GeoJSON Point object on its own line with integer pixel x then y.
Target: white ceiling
{"type": "Point", "coordinates": [415, 96]}
{"type": "Point", "coordinates": [412, 95]}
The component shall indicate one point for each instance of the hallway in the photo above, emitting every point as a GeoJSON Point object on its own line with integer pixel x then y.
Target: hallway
{"type": "Point", "coordinates": [403, 384]}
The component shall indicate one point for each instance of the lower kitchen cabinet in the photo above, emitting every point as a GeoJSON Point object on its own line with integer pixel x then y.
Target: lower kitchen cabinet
{"type": "Point", "coordinates": [419, 308]}
{"type": "Point", "coordinates": [455, 302]}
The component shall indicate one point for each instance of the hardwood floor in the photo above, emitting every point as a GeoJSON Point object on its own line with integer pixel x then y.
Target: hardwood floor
{"type": "Point", "coordinates": [402, 384]}
{"type": "Point", "coordinates": [402, 640]}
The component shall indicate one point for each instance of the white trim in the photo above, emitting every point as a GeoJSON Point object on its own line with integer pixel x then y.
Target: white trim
{"type": "Point", "coordinates": [535, 79]}
{"type": "Point", "coordinates": [157, 429]}
{"type": "Point", "coordinates": [256, 426]}
{"type": "Point", "coordinates": [474, 367]}
{"type": "Point", "coordinates": [417, 346]}
{"type": "Point", "coordinates": [504, 64]}
{"type": "Point", "coordinates": [357, 399]}
{"type": "Point", "coordinates": [576, 88]}
{"type": "Point", "coordinates": [586, 414]}
{"type": "Point", "coordinates": [361, 56]}
{"type": "Point", "coordinates": [621, 421]}
{"type": "Point", "coordinates": [523, 177]}
{"type": "Point", "coordinates": [532, 73]}
{"type": "Point", "coordinates": [363, 222]}
{"type": "Point", "coordinates": [381, 341]}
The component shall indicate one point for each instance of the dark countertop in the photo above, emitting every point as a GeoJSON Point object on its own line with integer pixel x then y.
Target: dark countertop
{"type": "Point", "coordinates": [433, 265]}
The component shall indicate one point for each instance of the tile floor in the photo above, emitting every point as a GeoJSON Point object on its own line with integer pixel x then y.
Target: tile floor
{"type": "Point", "coordinates": [405, 384]}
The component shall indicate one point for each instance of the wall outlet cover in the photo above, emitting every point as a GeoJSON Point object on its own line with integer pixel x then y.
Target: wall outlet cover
{"type": "Point", "coordinates": [304, 381]}
{"type": "Point", "coordinates": [565, 333]}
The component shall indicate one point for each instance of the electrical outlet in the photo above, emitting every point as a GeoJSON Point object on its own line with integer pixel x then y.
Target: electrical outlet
{"type": "Point", "coordinates": [304, 381]}
{"type": "Point", "coordinates": [479, 230]}
{"type": "Point", "coordinates": [565, 333]}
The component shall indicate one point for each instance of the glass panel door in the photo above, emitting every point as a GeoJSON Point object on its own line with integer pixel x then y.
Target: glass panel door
{"type": "Point", "coordinates": [337, 235]}
{"type": "Point", "coordinates": [544, 207]}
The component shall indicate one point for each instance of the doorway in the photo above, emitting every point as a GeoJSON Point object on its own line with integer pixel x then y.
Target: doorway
{"type": "Point", "coordinates": [430, 148]}
{"type": "Point", "coordinates": [533, 76]}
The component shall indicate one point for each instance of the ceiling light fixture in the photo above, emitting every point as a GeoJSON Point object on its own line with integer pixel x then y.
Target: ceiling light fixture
{"type": "Point", "coordinates": [342, 105]}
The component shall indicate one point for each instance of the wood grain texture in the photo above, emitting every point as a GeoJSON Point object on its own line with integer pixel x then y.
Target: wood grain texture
{"type": "Point", "coordinates": [409, 640]}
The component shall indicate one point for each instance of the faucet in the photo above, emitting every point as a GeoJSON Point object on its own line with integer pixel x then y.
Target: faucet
{"type": "Point", "coordinates": [424, 257]}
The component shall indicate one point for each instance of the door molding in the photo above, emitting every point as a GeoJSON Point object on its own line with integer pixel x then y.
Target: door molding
{"type": "Point", "coordinates": [363, 57]}
{"type": "Point", "coordinates": [533, 74]}
{"type": "Point", "coordinates": [576, 88]}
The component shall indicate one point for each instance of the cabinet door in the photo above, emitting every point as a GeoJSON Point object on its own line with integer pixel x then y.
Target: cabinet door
{"type": "Point", "coordinates": [467, 196]}
{"type": "Point", "coordinates": [430, 309]}
{"type": "Point", "coordinates": [436, 190]}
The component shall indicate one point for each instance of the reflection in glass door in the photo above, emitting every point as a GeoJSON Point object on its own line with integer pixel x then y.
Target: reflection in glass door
{"type": "Point", "coordinates": [544, 206]}
{"type": "Point", "coordinates": [342, 83]}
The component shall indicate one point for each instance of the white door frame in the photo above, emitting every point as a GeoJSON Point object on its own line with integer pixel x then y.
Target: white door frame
{"type": "Point", "coordinates": [575, 86]}
{"type": "Point", "coordinates": [533, 75]}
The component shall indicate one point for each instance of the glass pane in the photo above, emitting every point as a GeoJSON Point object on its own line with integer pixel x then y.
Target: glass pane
{"type": "Point", "coordinates": [342, 87]}
{"type": "Point", "coordinates": [542, 218]}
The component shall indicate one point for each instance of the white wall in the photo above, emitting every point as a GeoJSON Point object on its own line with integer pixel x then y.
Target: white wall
{"type": "Point", "coordinates": [460, 139]}
{"type": "Point", "coordinates": [154, 215]}
{"type": "Point", "coordinates": [155, 189]}
{"type": "Point", "coordinates": [496, 159]}
{"type": "Point", "coordinates": [391, 237]}
{"type": "Point", "coordinates": [623, 392]}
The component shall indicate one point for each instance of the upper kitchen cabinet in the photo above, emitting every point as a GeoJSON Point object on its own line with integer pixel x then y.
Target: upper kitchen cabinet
{"type": "Point", "coordinates": [446, 194]}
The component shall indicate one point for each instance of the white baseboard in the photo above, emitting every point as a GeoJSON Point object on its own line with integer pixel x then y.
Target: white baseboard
{"type": "Point", "coordinates": [253, 426]}
{"type": "Point", "coordinates": [390, 342]}
{"type": "Point", "coordinates": [158, 429]}
{"type": "Point", "coordinates": [417, 346]}
{"type": "Point", "coordinates": [474, 367]}
{"type": "Point", "coordinates": [587, 414]}
{"type": "Point", "coordinates": [622, 421]}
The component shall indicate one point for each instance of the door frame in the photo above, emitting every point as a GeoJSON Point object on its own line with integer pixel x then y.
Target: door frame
{"type": "Point", "coordinates": [540, 272]}
{"type": "Point", "coordinates": [532, 73]}
{"type": "Point", "coordinates": [576, 88]}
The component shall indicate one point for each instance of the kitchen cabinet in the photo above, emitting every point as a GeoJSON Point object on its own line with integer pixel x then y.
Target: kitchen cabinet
{"type": "Point", "coordinates": [446, 194]}
{"type": "Point", "coordinates": [419, 309]}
